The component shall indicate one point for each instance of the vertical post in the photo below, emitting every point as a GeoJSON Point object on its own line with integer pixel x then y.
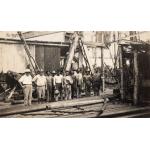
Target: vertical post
{"type": "Point", "coordinates": [136, 78]}
{"type": "Point", "coordinates": [95, 49]}
{"type": "Point", "coordinates": [121, 73]}
{"type": "Point", "coordinates": [135, 69]}
{"type": "Point", "coordinates": [102, 67]}
{"type": "Point", "coordinates": [102, 64]}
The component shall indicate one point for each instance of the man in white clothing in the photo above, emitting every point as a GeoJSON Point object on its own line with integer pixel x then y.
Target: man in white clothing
{"type": "Point", "coordinates": [58, 83]}
{"type": "Point", "coordinates": [26, 82]}
{"type": "Point", "coordinates": [41, 83]}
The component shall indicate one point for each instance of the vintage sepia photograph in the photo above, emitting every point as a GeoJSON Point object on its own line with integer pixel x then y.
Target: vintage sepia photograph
{"type": "Point", "coordinates": [74, 74]}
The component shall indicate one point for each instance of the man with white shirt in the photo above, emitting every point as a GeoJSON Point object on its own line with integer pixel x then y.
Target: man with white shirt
{"type": "Point", "coordinates": [41, 83]}
{"type": "Point", "coordinates": [26, 82]}
{"type": "Point", "coordinates": [58, 83]}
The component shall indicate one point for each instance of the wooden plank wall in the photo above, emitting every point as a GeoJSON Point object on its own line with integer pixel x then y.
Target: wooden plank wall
{"type": "Point", "coordinates": [13, 57]}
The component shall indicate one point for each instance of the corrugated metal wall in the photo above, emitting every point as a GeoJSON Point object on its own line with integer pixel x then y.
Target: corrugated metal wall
{"type": "Point", "coordinates": [39, 56]}
{"type": "Point", "coordinates": [47, 57]}
{"type": "Point", "coordinates": [52, 58]}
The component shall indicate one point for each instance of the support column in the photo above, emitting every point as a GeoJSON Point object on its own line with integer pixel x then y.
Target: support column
{"type": "Point", "coordinates": [102, 67]}
{"type": "Point", "coordinates": [121, 73]}
{"type": "Point", "coordinates": [136, 78]}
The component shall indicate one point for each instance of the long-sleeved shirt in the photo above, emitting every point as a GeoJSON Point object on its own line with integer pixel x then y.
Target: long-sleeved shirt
{"type": "Point", "coordinates": [40, 80]}
{"type": "Point", "coordinates": [25, 80]}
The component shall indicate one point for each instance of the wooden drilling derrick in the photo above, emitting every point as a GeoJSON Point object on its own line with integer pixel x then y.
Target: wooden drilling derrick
{"type": "Point", "coordinates": [77, 42]}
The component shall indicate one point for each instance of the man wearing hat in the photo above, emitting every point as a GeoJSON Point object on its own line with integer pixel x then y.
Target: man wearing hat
{"type": "Point", "coordinates": [26, 82]}
{"type": "Point", "coordinates": [41, 83]}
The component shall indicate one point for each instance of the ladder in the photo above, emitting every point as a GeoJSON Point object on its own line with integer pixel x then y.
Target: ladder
{"type": "Point", "coordinates": [86, 56]}
{"type": "Point", "coordinates": [33, 62]}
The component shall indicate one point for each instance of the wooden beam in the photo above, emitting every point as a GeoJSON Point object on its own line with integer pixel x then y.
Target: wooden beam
{"type": "Point", "coordinates": [27, 50]}
{"type": "Point", "coordinates": [103, 71]}
{"type": "Point", "coordinates": [94, 44]}
{"type": "Point", "coordinates": [71, 52]}
{"type": "Point", "coordinates": [43, 43]}
{"type": "Point", "coordinates": [33, 34]}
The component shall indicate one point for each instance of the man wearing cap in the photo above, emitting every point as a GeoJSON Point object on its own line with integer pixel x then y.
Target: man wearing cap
{"type": "Point", "coordinates": [26, 82]}
{"type": "Point", "coordinates": [41, 82]}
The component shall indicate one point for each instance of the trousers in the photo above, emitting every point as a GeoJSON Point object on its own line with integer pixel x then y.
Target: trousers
{"type": "Point", "coordinates": [41, 92]}
{"type": "Point", "coordinates": [68, 92]}
{"type": "Point", "coordinates": [59, 88]}
{"type": "Point", "coordinates": [49, 92]}
{"type": "Point", "coordinates": [27, 90]}
{"type": "Point", "coordinates": [79, 90]}
{"type": "Point", "coordinates": [88, 89]}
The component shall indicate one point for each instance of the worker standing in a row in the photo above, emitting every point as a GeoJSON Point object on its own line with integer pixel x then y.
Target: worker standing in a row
{"type": "Point", "coordinates": [53, 87]}
{"type": "Point", "coordinates": [58, 83]}
{"type": "Point", "coordinates": [88, 83]}
{"type": "Point", "coordinates": [49, 79]}
{"type": "Point", "coordinates": [41, 85]}
{"type": "Point", "coordinates": [68, 81]}
{"type": "Point", "coordinates": [79, 78]}
{"type": "Point", "coordinates": [26, 82]}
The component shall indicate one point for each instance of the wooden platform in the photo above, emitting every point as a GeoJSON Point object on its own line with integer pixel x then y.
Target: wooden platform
{"type": "Point", "coordinates": [7, 110]}
{"type": "Point", "coordinates": [88, 107]}
{"type": "Point", "coordinates": [59, 110]}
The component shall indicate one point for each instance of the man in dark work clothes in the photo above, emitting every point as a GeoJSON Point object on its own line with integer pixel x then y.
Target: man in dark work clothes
{"type": "Point", "coordinates": [88, 82]}
{"type": "Point", "coordinates": [96, 83]}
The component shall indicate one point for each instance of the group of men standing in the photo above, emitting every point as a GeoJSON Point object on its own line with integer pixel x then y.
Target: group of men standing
{"type": "Point", "coordinates": [54, 86]}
